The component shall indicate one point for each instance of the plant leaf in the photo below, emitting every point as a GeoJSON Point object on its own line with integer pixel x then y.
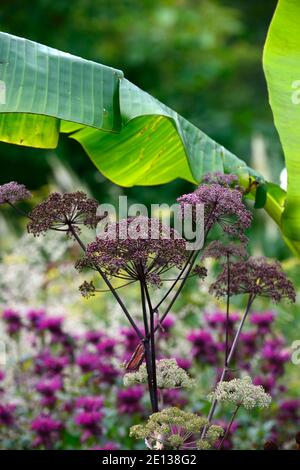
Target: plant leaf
{"type": "Point", "coordinates": [282, 69]}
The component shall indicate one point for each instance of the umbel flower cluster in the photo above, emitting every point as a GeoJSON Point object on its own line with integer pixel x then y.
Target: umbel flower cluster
{"type": "Point", "coordinates": [223, 205]}
{"type": "Point", "coordinates": [173, 428]}
{"type": "Point", "coordinates": [168, 375]}
{"type": "Point", "coordinates": [64, 213]}
{"type": "Point", "coordinates": [137, 248]}
{"type": "Point", "coordinates": [255, 276]}
{"type": "Point", "coordinates": [13, 192]}
{"type": "Point", "coordinates": [241, 392]}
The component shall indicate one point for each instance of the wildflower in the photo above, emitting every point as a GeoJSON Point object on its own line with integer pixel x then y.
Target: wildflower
{"type": "Point", "coordinates": [173, 428]}
{"type": "Point", "coordinates": [241, 392]}
{"type": "Point", "coordinates": [222, 206]}
{"type": "Point", "coordinates": [274, 357]}
{"type": "Point", "coordinates": [7, 417]}
{"type": "Point", "coordinates": [87, 289]}
{"type": "Point", "coordinates": [107, 372]}
{"type": "Point", "coordinates": [248, 343]}
{"type": "Point", "coordinates": [173, 397]}
{"type": "Point", "coordinates": [228, 180]}
{"type": "Point", "coordinates": [51, 324]}
{"type": "Point", "coordinates": [35, 317]}
{"type": "Point", "coordinates": [13, 321]}
{"type": "Point", "coordinates": [204, 346]}
{"type": "Point", "coordinates": [107, 346]}
{"type": "Point", "coordinates": [47, 430]}
{"type": "Point", "coordinates": [219, 320]}
{"type": "Point", "coordinates": [90, 421]}
{"type": "Point", "coordinates": [130, 341]}
{"type": "Point", "coordinates": [49, 386]}
{"type": "Point", "coordinates": [289, 410]}
{"type": "Point", "coordinates": [145, 254]}
{"type": "Point", "coordinates": [63, 212]}
{"type": "Point", "coordinates": [267, 382]}
{"type": "Point", "coordinates": [263, 321]}
{"type": "Point", "coordinates": [217, 249]}
{"type": "Point", "coordinates": [87, 361]}
{"type": "Point", "coordinates": [13, 192]}
{"type": "Point", "coordinates": [128, 401]}
{"type": "Point", "coordinates": [93, 337]}
{"type": "Point", "coordinates": [47, 363]}
{"type": "Point", "coordinates": [168, 375]}
{"type": "Point", "coordinates": [256, 276]}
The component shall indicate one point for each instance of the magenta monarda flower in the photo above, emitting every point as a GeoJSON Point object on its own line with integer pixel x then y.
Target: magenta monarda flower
{"type": "Point", "coordinates": [222, 205]}
{"type": "Point", "coordinates": [256, 276]}
{"type": "Point", "coordinates": [13, 192]}
{"type": "Point", "coordinates": [47, 430]}
{"type": "Point", "coordinates": [64, 212]}
{"type": "Point", "coordinates": [7, 412]}
{"type": "Point", "coordinates": [128, 401]}
{"type": "Point", "coordinates": [90, 403]}
{"type": "Point", "coordinates": [13, 321]}
{"type": "Point", "coordinates": [137, 248]}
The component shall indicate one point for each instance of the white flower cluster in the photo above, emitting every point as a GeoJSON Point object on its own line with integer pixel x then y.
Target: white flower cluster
{"type": "Point", "coordinates": [241, 392]}
{"type": "Point", "coordinates": [168, 375]}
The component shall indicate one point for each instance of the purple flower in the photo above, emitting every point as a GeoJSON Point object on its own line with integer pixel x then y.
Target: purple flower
{"type": "Point", "coordinates": [227, 443]}
{"type": "Point", "coordinates": [217, 249]}
{"type": "Point", "coordinates": [35, 317]}
{"type": "Point", "coordinates": [52, 324]}
{"type": "Point", "coordinates": [274, 357]}
{"type": "Point", "coordinates": [248, 343]}
{"type": "Point", "coordinates": [268, 382]}
{"type": "Point", "coordinates": [128, 401]}
{"type": "Point", "coordinates": [2, 375]}
{"type": "Point", "coordinates": [184, 362]}
{"type": "Point", "coordinates": [90, 403]}
{"type": "Point", "coordinates": [13, 321]}
{"type": "Point", "coordinates": [87, 361]}
{"type": "Point", "coordinates": [45, 362]}
{"type": "Point", "coordinates": [90, 421]}
{"type": "Point", "coordinates": [49, 386]}
{"type": "Point", "coordinates": [107, 347]}
{"type": "Point", "coordinates": [13, 192]}
{"type": "Point", "coordinates": [222, 179]}
{"type": "Point", "coordinates": [7, 417]}
{"type": "Point", "coordinates": [108, 373]}
{"type": "Point", "coordinates": [174, 397]}
{"type": "Point", "coordinates": [222, 205]}
{"type": "Point", "coordinates": [130, 341]}
{"type": "Point", "coordinates": [204, 347]}
{"type": "Point", "coordinates": [135, 249]}
{"type": "Point", "coordinates": [93, 336]}
{"type": "Point", "coordinates": [219, 319]}
{"type": "Point", "coordinates": [256, 276]}
{"type": "Point", "coordinates": [47, 430]}
{"type": "Point", "coordinates": [63, 212]}
{"type": "Point", "coordinates": [263, 321]}
{"type": "Point", "coordinates": [289, 410]}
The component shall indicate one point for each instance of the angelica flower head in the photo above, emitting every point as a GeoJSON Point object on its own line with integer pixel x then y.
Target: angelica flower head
{"type": "Point", "coordinates": [64, 213]}
{"type": "Point", "coordinates": [223, 205]}
{"type": "Point", "coordinates": [256, 276]}
{"type": "Point", "coordinates": [168, 375]}
{"type": "Point", "coordinates": [13, 192]}
{"type": "Point", "coordinates": [137, 248]}
{"type": "Point", "coordinates": [173, 428]}
{"type": "Point", "coordinates": [217, 249]}
{"type": "Point", "coordinates": [241, 392]}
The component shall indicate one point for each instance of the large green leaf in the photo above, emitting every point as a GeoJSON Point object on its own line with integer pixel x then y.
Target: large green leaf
{"type": "Point", "coordinates": [282, 70]}
{"type": "Point", "coordinates": [130, 136]}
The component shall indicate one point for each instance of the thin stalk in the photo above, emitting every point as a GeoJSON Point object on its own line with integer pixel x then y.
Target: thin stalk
{"type": "Point", "coordinates": [148, 357]}
{"type": "Point", "coordinates": [230, 355]}
{"type": "Point", "coordinates": [227, 313]}
{"type": "Point", "coordinates": [185, 277]}
{"type": "Point", "coordinates": [110, 286]}
{"type": "Point", "coordinates": [152, 343]}
{"type": "Point", "coordinates": [228, 427]}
